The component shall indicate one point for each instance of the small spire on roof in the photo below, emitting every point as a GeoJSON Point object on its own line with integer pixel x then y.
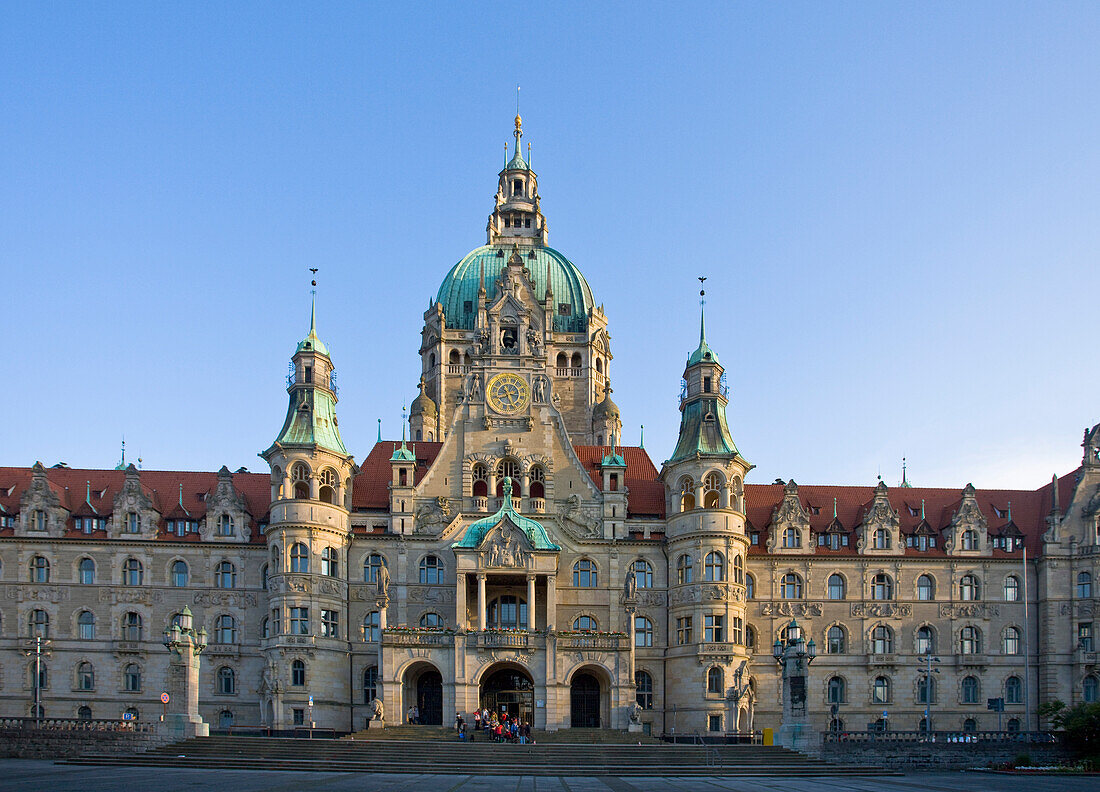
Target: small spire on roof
{"type": "Point", "coordinates": [1054, 494]}
{"type": "Point", "coordinates": [1010, 511]}
{"type": "Point", "coordinates": [379, 430]}
{"type": "Point", "coordinates": [505, 155]}
{"type": "Point", "coordinates": [641, 438]}
{"type": "Point", "coordinates": [88, 493]}
{"type": "Point", "coordinates": [313, 302]}
{"type": "Point", "coordinates": [528, 155]}
{"type": "Point", "coordinates": [181, 493]}
{"type": "Point", "coordinates": [904, 479]}
{"type": "Point", "coordinates": [702, 318]}
{"type": "Point", "coordinates": [403, 421]}
{"type": "Point", "coordinates": [834, 507]}
{"type": "Point", "coordinates": [922, 508]}
{"type": "Point", "coordinates": [122, 462]}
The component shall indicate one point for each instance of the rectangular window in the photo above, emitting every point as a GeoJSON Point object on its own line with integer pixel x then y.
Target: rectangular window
{"type": "Point", "coordinates": [468, 306]}
{"type": "Point", "coordinates": [309, 374]}
{"type": "Point", "coordinates": [714, 628]}
{"type": "Point", "coordinates": [330, 623]}
{"type": "Point", "coordinates": [1084, 636]}
{"type": "Point", "coordinates": [714, 723]}
{"type": "Point", "coordinates": [683, 630]}
{"type": "Point", "coordinates": [299, 621]}
{"type": "Point", "coordinates": [133, 523]}
{"type": "Point", "coordinates": [299, 717]}
{"type": "Point", "coordinates": [706, 384]}
{"type": "Point", "coordinates": [754, 538]}
{"type": "Point", "coordinates": [527, 222]}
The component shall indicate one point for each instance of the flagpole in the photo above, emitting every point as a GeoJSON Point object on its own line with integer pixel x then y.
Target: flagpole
{"type": "Point", "coordinates": [1027, 653]}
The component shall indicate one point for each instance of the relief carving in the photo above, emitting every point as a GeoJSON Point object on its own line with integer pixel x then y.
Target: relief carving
{"type": "Point", "coordinates": [433, 517]}
{"type": "Point", "coordinates": [572, 518]}
{"type": "Point", "coordinates": [38, 593]}
{"type": "Point", "coordinates": [881, 610]}
{"type": "Point", "coordinates": [791, 609]}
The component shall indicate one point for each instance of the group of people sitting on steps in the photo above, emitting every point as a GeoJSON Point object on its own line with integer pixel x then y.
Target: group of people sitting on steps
{"type": "Point", "coordinates": [497, 727]}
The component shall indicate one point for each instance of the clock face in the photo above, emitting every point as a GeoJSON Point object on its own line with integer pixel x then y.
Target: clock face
{"type": "Point", "coordinates": [508, 393]}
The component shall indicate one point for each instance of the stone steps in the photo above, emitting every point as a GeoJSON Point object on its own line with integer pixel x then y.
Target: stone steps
{"type": "Point", "coordinates": [479, 758]}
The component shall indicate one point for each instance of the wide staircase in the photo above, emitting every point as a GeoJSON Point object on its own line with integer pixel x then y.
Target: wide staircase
{"type": "Point", "coordinates": [426, 752]}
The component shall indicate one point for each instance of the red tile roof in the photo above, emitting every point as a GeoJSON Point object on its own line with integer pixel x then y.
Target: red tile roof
{"type": "Point", "coordinates": [371, 488]}
{"type": "Point", "coordinates": [646, 495]}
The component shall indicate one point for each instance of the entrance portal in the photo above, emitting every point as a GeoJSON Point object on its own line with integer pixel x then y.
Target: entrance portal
{"type": "Point", "coordinates": [510, 692]}
{"type": "Point", "coordinates": [429, 697]}
{"type": "Point", "coordinates": [584, 702]}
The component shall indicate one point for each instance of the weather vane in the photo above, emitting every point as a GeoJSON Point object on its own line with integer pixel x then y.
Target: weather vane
{"type": "Point", "coordinates": [702, 290]}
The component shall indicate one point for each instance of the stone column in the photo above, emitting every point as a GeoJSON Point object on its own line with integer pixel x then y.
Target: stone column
{"type": "Point", "coordinates": [551, 602]}
{"type": "Point", "coordinates": [481, 601]}
{"type": "Point", "coordinates": [184, 646]}
{"type": "Point", "coordinates": [460, 602]}
{"type": "Point", "coordinates": [531, 602]}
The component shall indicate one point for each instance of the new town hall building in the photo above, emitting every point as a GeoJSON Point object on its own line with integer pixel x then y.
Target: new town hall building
{"type": "Point", "coordinates": [511, 553]}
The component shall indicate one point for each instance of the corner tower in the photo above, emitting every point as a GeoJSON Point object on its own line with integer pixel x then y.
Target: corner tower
{"type": "Point", "coordinates": [305, 630]}
{"type": "Point", "coordinates": [515, 304]}
{"type": "Point", "coordinates": [707, 545]}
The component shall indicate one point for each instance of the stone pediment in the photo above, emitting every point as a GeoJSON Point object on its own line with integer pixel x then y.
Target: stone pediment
{"type": "Point", "coordinates": [505, 546]}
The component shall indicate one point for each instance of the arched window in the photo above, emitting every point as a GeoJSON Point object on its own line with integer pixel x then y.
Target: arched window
{"type": "Point", "coordinates": [225, 630]}
{"type": "Point", "coordinates": [970, 725]}
{"type": "Point", "coordinates": [87, 571]}
{"type": "Point", "coordinates": [575, 361]}
{"type": "Point", "coordinates": [86, 625]}
{"type": "Point", "coordinates": [837, 690]}
{"type": "Point", "coordinates": [40, 570]}
{"type": "Point", "coordinates": [370, 684]}
{"type": "Point", "coordinates": [299, 477]}
{"type": "Point", "coordinates": [836, 587]}
{"type": "Point", "coordinates": [792, 537]}
{"type": "Point", "coordinates": [480, 478]}
{"type": "Point", "coordinates": [643, 631]}
{"type": "Point", "coordinates": [643, 684]}
{"type": "Point", "coordinates": [882, 640]}
{"type": "Point", "coordinates": [85, 676]}
{"type": "Point", "coordinates": [971, 690]}
{"type": "Point", "coordinates": [431, 569]}
{"type": "Point", "coordinates": [643, 573]}
{"type": "Point", "coordinates": [327, 492]}
{"type": "Point", "coordinates": [537, 482]}
{"type": "Point", "coordinates": [225, 719]}
{"type": "Point", "coordinates": [225, 525]}
{"type": "Point", "coordinates": [714, 566]}
{"type": "Point", "coordinates": [227, 681]}
{"type": "Point", "coordinates": [276, 559]}
{"type": "Point", "coordinates": [132, 572]}
{"type": "Point", "coordinates": [1013, 725]}
{"type": "Point", "coordinates": [926, 588]}
{"type": "Point", "coordinates": [584, 573]}
{"type": "Point", "coordinates": [880, 540]}
{"type": "Point", "coordinates": [225, 575]}
{"type": "Point", "coordinates": [685, 570]}
{"type": "Point", "coordinates": [880, 692]}
{"type": "Point", "coordinates": [750, 587]}
{"type": "Point", "coordinates": [506, 468]}
{"type": "Point", "coordinates": [131, 678]}
{"type": "Point", "coordinates": [1090, 689]}
{"type": "Point", "coordinates": [926, 690]}
{"type": "Point", "coordinates": [1084, 585]}
{"type": "Point", "coordinates": [1012, 641]}
{"type": "Point", "coordinates": [969, 590]}
{"type": "Point", "coordinates": [372, 631]}
{"type": "Point", "coordinates": [371, 564]}
{"type": "Point", "coordinates": [687, 494]}
{"type": "Point", "coordinates": [1012, 589]}
{"type": "Point", "coordinates": [970, 540]}
{"type": "Point", "coordinates": [84, 713]}
{"type": "Point", "coordinates": [750, 637]}
{"type": "Point", "coordinates": [836, 641]}
{"type": "Point", "coordinates": [132, 627]}
{"type": "Point", "coordinates": [1014, 690]}
{"type": "Point", "coordinates": [299, 558]}
{"type": "Point", "coordinates": [715, 681]}
{"type": "Point", "coordinates": [298, 673]}
{"type": "Point", "coordinates": [712, 491]}
{"type": "Point", "coordinates": [179, 574]}
{"type": "Point", "coordinates": [263, 577]}
{"type": "Point", "coordinates": [970, 641]}
{"type": "Point", "coordinates": [330, 562]}
{"type": "Point", "coordinates": [790, 586]}
{"type": "Point", "coordinates": [925, 641]}
{"type": "Point", "coordinates": [738, 569]}
{"type": "Point", "coordinates": [265, 627]}
{"type": "Point", "coordinates": [431, 621]}
{"type": "Point", "coordinates": [562, 360]}
{"type": "Point", "coordinates": [584, 624]}
{"type": "Point", "coordinates": [38, 624]}
{"type": "Point", "coordinates": [882, 587]}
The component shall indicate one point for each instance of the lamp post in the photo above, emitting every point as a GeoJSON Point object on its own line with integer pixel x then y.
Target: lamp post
{"type": "Point", "coordinates": [794, 657]}
{"type": "Point", "coordinates": [40, 647]}
{"type": "Point", "coordinates": [926, 674]}
{"type": "Point", "coordinates": [185, 645]}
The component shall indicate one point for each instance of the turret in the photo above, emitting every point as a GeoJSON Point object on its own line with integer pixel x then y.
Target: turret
{"type": "Point", "coordinates": [518, 211]}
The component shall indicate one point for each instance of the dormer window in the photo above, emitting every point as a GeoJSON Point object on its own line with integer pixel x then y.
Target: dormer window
{"type": "Point", "coordinates": [565, 309]}
{"type": "Point", "coordinates": [133, 523]}
{"type": "Point", "coordinates": [468, 306]}
{"type": "Point", "coordinates": [38, 521]}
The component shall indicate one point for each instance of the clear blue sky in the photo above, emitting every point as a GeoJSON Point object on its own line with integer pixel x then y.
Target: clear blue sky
{"type": "Point", "coordinates": [896, 206]}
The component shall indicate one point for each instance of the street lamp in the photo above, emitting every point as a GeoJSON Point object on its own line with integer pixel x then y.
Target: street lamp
{"type": "Point", "coordinates": [926, 673]}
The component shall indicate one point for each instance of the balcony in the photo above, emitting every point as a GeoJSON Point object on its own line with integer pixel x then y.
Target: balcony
{"type": "Point", "coordinates": [278, 641]}
{"type": "Point", "coordinates": [481, 504]}
{"type": "Point", "coordinates": [538, 505]}
{"type": "Point", "coordinates": [567, 372]}
{"type": "Point", "coordinates": [417, 637]}
{"type": "Point", "coordinates": [457, 368]}
{"type": "Point", "coordinates": [128, 647]}
{"type": "Point", "coordinates": [615, 642]}
{"type": "Point", "coordinates": [491, 639]}
{"type": "Point", "coordinates": [290, 510]}
{"type": "Point", "coordinates": [1086, 656]}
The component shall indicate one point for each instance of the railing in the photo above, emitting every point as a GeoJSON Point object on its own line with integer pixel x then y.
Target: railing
{"type": "Point", "coordinates": [457, 368]}
{"type": "Point", "coordinates": [538, 505]}
{"type": "Point", "coordinates": [76, 724]}
{"type": "Point", "coordinates": [418, 637]}
{"type": "Point", "coordinates": [942, 737]}
{"type": "Point", "coordinates": [616, 643]}
{"type": "Point", "coordinates": [481, 504]}
{"type": "Point", "coordinates": [568, 372]}
{"type": "Point", "coordinates": [321, 382]}
{"type": "Point", "coordinates": [505, 640]}
{"type": "Point", "coordinates": [287, 640]}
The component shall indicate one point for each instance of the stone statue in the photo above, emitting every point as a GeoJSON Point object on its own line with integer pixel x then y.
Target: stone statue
{"type": "Point", "coordinates": [538, 389]}
{"type": "Point", "coordinates": [630, 586]}
{"type": "Point", "coordinates": [533, 340]}
{"type": "Point", "coordinates": [377, 709]}
{"type": "Point", "coordinates": [636, 713]}
{"type": "Point", "coordinates": [475, 386]}
{"type": "Point", "coordinates": [382, 577]}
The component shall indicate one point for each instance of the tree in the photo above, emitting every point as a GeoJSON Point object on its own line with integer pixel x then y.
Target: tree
{"type": "Point", "coordinates": [1081, 724]}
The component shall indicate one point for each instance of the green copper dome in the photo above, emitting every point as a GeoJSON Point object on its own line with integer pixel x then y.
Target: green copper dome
{"type": "Point", "coordinates": [458, 294]}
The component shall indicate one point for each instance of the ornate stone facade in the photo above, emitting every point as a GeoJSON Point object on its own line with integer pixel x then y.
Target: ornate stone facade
{"type": "Point", "coordinates": [511, 553]}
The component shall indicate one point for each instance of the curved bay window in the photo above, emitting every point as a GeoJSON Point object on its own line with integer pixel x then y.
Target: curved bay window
{"type": "Point", "coordinates": [330, 562]}
{"type": "Point", "coordinates": [712, 491]}
{"type": "Point", "coordinates": [714, 567]}
{"type": "Point", "coordinates": [506, 612]}
{"type": "Point", "coordinates": [299, 558]}
{"type": "Point", "coordinates": [687, 494]}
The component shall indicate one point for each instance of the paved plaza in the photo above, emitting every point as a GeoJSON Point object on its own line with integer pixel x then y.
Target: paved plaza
{"type": "Point", "coordinates": [17, 775]}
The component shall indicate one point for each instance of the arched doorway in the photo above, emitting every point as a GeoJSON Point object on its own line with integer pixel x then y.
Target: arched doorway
{"type": "Point", "coordinates": [423, 688]}
{"type": "Point", "coordinates": [509, 691]}
{"type": "Point", "coordinates": [584, 701]}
